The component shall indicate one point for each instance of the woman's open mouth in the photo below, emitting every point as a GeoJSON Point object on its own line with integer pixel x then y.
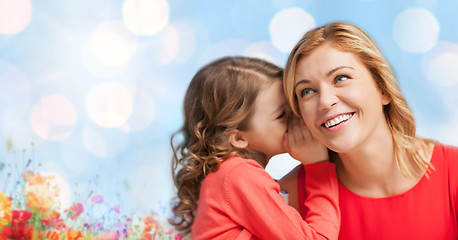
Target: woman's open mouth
{"type": "Point", "coordinates": [333, 122]}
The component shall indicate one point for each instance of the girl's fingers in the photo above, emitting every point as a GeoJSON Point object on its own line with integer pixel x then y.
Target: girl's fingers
{"type": "Point", "coordinates": [286, 142]}
{"type": "Point", "coordinates": [304, 130]}
{"type": "Point", "coordinates": [291, 134]}
{"type": "Point", "coordinates": [300, 143]}
{"type": "Point", "coordinates": [298, 137]}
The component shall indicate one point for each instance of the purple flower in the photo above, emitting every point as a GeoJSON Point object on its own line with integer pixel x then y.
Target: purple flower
{"type": "Point", "coordinates": [97, 199]}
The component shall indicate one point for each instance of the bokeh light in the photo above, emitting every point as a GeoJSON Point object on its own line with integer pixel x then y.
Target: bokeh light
{"type": "Point", "coordinates": [266, 51]}
{"type": "Point", "coordinates": [441, 65]}
{"type": "Point", "coordinates": [145, 17]}
{"type": "Point", "coordinates": [18, 128]}
{"type": "Point", "coordinates": [416, 30]}
{"type": "Point", "coordinates": [165, 46]}
{"type": "Point", "coordinates": [285, 3]}
{"type": "Point", "coordinates": [144, 111]}
{"type": "Point", "coordinates": [188, 32]}
{"type": "Point", "coordinates": [74, 155]}
{"type": "Point", "coordinates": [449, 129]}
{"type": "Point", "coordinates": [112, 44]}
{"type": "Point", "coordinates": [231, 47]}
{"type": "Point", "coordinates": [288, 26]}
{"type": "Point", "coordinates": [145, 179]}
{"type": "Point", "coordinates": [104, 142]}
{"type": "Point", "coordinates": [109, 104]}
{"type": "Point", "coordinates": [426, 3]}
{"type": "Point", "coordinates": [53, 117]}
{"type": "Point", "coordinates": [62, 186]}
{"type": "Point", "coordinates": [15, 15]}
{"type": "Point", "coordinates": [15, 88]}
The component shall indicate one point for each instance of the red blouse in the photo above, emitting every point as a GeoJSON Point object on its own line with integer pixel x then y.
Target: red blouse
{"type": "Point", "coordinates": [241, 201]}
{"type": "Point", "coordinates": [427, 211]}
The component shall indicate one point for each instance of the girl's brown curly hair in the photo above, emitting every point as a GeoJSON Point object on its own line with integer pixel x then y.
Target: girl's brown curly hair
{"type": "Point", "coordinates": [220, 99]}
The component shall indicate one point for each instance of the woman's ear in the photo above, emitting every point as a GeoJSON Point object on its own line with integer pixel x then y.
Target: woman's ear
{"type": "Point", "coordinates": [238, 139]}
{"type": "Point", "coordinates": [386, 99]}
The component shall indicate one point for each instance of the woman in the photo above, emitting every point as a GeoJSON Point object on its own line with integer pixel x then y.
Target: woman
{"type": "Point", "coordinates": [392, 183]}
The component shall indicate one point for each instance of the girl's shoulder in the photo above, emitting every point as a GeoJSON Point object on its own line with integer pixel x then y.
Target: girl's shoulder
{"type": "Point", "coordinates": [236, 166]}
{"type": "Point", "coordinates": [235, 161]}
{"type": "Point", "coordinates": [243, 171]}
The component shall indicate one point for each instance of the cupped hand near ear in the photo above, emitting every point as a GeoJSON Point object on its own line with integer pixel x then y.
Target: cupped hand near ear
{"type": "Point", "coordinates": [301, 145]}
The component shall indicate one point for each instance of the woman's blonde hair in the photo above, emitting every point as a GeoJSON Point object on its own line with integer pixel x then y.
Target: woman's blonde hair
{"type": "Point", "coordinates": [349, 38]}
{"type": "Point", "coordinates": [220, 98]}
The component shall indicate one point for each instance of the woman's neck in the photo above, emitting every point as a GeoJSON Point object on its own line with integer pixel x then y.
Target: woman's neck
{"type": "Point", "coordinates": [371, 170]}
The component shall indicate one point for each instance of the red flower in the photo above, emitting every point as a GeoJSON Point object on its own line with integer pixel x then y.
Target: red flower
{"type": "Point", "coordinates": [74, 235]}
{"type": "Point", "coordinates": [52, 235]}
{"type": "Point", "coordinates": [147, 236]}
{"type": "Point", "coordinates": [19, 229]}
{"type": "Point", "coordinates": [54, 221]}
{"type": "Point", "coordinates": [21, 215]}
{"type": "Point", "coordinates": [149, 220]}
{"type": "Point", "coordinates": [75, 210]}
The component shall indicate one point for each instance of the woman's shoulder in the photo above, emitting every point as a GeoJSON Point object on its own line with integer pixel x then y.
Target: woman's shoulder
{"type": "Point", "coordinates": [445, 157]}
{"type": "Point", "coordinates": [445, 151]}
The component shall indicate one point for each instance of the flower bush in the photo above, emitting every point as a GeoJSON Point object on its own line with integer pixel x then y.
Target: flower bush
{"type": "Point", "coordinates": [31, 210]}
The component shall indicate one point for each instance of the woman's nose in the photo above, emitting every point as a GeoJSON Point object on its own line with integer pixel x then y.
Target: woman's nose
{"type": "Point", "coordinates": [327, 98]}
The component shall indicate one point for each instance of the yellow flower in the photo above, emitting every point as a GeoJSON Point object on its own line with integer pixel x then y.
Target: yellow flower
{"type": "Point", "coordinates": [40, 194]}
{"type": "Point", "coordinates": [5, 209]}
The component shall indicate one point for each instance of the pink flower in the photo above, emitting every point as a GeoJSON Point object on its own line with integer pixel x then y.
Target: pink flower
{"type": "Point", "coordinates": [116, 209]}
{"type": "Point", "coordinates": [99, 225]}
{"type": "Point", "coordinates": [27, 174]}
{"type": "Point", "coordinates": [109, 235]}
{"type": "Point", "coordinates": [97, 199]}
{"type": "Point", "coordinates": [75, 210]}
{"type": "Point", "coordinates": [179, 236]}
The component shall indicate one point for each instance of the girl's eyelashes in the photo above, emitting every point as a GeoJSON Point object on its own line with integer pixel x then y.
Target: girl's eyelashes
{"type": "Point", "coordinates": [283, 113]}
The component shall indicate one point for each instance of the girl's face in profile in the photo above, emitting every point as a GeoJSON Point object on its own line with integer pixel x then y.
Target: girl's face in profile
{"type": "Point", "coordinates": [339, 100]}
{"type": "Point", "coordinates": [268, 122]}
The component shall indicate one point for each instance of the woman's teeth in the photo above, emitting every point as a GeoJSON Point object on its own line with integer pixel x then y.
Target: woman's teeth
{"type": "Point", "coordinates": [337, 120]}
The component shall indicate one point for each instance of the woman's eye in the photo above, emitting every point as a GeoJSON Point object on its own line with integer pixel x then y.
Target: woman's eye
{"type": "Point", "coordinates": [281, 115]}
{"type": "Point", "coordinates": [340, 78]}
{"type": "Point", "coordinates": [306, 91]}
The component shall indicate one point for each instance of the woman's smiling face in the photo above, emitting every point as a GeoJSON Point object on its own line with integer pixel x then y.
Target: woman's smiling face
{"type": "Point", "coordinates": [338, 99]}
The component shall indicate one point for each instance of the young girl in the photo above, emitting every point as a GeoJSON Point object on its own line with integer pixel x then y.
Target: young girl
{"type": "Point", "coordinates": [393, 184]}
{"type": "Point", "coordinates": [235, 121]}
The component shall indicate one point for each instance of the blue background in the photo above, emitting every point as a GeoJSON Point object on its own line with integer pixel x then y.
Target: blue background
{"type": "Point", "coordinates": [49, 73]}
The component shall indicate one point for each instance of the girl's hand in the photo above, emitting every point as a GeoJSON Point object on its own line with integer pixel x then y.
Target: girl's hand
{"type": "Point", "coordinates": [301, 145]}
